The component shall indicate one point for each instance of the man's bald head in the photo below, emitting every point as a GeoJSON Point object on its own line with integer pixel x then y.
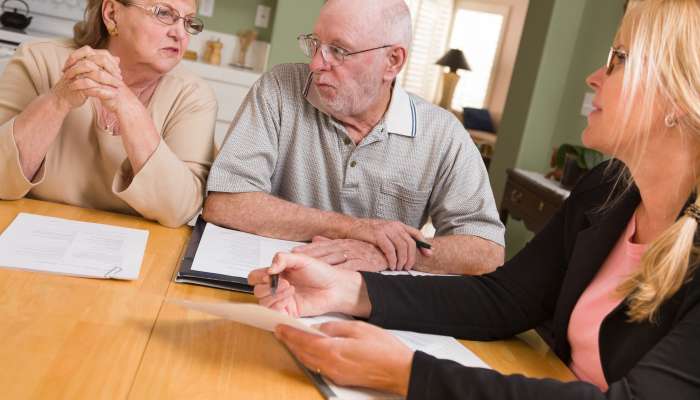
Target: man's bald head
{"type": "Point", "coordinates": [376, 22]}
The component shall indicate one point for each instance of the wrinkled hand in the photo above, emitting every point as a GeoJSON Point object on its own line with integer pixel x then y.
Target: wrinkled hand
{"type": "Point", "coordinates": [81, 64]}
{"type": "Point", "coordinates": [393, 238]}
{"type": "Point", "coordinates": [350, 254]}
{"type": "Point", "coordinates": [355, 354]}
{"type": "Point", "coordinates": [306, 286]}
{"type": "Point", "coordinates": [95, 73]}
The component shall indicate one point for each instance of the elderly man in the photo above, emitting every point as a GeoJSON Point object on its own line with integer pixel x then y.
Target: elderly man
{"type": "Point", "coordinates": [337, 152]}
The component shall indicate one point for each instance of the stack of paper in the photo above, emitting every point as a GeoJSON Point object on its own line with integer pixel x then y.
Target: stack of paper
{"type": "Point", "coordinates": [56, 245]}
{"type": "Point", "coordinates": [223, 258]}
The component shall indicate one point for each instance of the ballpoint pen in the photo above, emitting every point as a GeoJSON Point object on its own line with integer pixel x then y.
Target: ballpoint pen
{"type": "Point", "coordinates": [423, 245]}
{"type": "Point", "coordinates": [274, 279]}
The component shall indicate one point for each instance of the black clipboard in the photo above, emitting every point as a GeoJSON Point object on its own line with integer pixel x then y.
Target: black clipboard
{"type": "Point", "coordinates": [187, 275]}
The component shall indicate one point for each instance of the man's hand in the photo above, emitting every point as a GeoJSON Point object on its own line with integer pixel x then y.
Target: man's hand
{"type": "Point", "coordinates": [396, 240]}
{"type": "Point", "coordinates": [351, 254]}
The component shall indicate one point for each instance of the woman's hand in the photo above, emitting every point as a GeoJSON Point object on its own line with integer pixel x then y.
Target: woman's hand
{"type": "Point", "coordinates": [80, 64]}
{"type": "Point", "coordinates": [354, 354]}
{"type": "Point", "coordinates": [309, 287]}
{"type": "Point", "coordinates": [96, 73]}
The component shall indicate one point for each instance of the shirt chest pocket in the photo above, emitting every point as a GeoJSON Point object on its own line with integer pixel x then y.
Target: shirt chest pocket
{"type": "Point", "coordinates": [400, 203]}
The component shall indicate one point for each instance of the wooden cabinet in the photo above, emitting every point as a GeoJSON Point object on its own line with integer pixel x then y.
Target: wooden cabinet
{"type": "Point", "coordinates": [532, 198]}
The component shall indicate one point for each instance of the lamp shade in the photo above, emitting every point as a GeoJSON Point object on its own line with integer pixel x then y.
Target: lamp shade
{"type": "Point", "coordinates": [454, 59]}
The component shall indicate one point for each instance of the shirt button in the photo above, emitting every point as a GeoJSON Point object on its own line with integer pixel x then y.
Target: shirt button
{"type": "Point", "coordinates": [353, 163]}
{"type": "Point", "coordinates": [346, 141]}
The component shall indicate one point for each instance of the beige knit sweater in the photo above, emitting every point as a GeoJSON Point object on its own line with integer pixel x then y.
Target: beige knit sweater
{"type": "Point", "coordinates": [88, 167]}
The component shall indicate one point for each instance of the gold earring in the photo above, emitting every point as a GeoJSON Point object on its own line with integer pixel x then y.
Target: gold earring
{"type": "Point", "coordinates": [112, 29]}
{"type": "Point", "coordinates": [670, 121]}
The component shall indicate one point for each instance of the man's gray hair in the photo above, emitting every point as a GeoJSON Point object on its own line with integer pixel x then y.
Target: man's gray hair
{"type": "Point", "coordinates": [396, 20]}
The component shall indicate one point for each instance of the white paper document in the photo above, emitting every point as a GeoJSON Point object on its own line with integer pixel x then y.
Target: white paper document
{"type": "Point", "coordinates": [248, 314]}
{"type": "Point", "coordinates": [228, 252]}
{"type": "Point", "coordinates": [443, 347]}
{"type": "Point", "coordinates": [56, 245]}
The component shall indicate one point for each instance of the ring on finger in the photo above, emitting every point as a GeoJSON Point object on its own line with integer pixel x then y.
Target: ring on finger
{"type": "Point", "coordinates": [345, 256]}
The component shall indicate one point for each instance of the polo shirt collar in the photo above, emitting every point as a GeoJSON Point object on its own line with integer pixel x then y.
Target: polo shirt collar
{"type": "Point", "coordinates": [400, 117]}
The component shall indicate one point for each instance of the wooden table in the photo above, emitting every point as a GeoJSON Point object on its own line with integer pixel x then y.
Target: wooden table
{"type": "Point", "coordinates": [77, 338]}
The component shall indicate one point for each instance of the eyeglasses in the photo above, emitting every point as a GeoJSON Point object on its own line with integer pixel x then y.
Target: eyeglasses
{"type": "Point", "coordinates": [615, 53]}
{"type": "Point", "coordinates": [331, 54]}
{"type": "Point", "coordinates": [169, 16]}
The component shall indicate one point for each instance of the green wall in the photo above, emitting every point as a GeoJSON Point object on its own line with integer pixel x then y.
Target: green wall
{"type": "Point", "coordinates": [592, 48]}
{"type": "Point", "coordinates": [231, 16]}
{"type": "Point", "coordinates": [293, 17]}
{"type": "Point", "coordinates": [563, 41]}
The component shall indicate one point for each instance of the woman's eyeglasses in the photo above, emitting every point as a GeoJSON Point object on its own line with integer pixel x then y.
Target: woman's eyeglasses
{"type": "Point", "coordinates": [618, 54]}
{"type": "Point", "coordinates": [169, 16]}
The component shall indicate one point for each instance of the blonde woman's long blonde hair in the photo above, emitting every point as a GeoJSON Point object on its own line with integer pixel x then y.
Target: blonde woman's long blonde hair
{"type": "Point", "coordinates": [663, 67]}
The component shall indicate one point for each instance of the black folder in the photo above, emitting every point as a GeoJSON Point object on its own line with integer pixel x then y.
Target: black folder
{"type": "Point", "coordinates": [187, 275]}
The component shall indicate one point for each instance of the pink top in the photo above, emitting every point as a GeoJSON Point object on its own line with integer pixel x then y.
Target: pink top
{"type": "Point", "coordinates": [596, 302]}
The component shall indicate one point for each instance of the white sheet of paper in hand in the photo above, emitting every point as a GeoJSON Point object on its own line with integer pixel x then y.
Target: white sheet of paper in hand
{"type": "Point", "coordinates": [57, 245]}
{"type": "Point", "coordinates": [444, 347]}
{"type": "Point", "coordinates": [248, 314]}
{"type": "Point", "coordinates": [229, 252]}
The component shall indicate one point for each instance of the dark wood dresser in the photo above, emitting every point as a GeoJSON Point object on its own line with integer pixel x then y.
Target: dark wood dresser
{"type": "Point", "coordinates": [532, 198]}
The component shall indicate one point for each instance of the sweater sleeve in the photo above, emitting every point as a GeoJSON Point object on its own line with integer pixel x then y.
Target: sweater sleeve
{"type": "Point", "coordinates": [170, 186]}
{"type": "Point", "coordinates": [20, 84]}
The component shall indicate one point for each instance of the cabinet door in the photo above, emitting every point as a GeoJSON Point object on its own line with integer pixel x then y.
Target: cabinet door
{"type": "Point", "coordinates": [220, 131]}
{"type": "Point", "coordinates": [230, 96]}
{"type": "Point", "coordinates": [3, 63]}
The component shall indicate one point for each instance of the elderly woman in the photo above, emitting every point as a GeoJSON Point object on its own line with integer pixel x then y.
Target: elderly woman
{"type": "Point", "coordinates": [615, 269]}
{"type": "Point", "coordinates": [106, 120]}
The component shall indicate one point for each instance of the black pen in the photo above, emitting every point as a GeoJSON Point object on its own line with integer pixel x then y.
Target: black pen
{"type": "Point", "coordinates": [423, 245]}
{"type": "Point", "coordinates": [273, 282]}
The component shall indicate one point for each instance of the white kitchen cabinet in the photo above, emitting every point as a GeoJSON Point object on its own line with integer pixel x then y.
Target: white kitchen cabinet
{"type": "Point", "coordinates": [230, 87]}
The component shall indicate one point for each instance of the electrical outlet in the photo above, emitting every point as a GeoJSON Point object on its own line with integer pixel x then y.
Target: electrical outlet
{"type": "Point", "coordinates": [262, 16]}
{"type": "Point", "coordinates": [206, 8]}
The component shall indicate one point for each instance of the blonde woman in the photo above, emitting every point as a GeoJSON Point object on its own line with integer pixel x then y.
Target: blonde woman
{"type": "Point", "coordinates": [615, 269]}
{"type": "Point", "coordinates": [105, 120]}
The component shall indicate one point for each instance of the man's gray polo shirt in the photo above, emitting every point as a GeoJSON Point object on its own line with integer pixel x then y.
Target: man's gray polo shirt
{"type": "Point", "coordinates": [418, 162]}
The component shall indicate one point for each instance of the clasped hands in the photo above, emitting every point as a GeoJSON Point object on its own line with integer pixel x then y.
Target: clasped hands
{"type": "Point", "coordinates": [93, 73]}
{"type": "Point", "coordinates": [370, 245]}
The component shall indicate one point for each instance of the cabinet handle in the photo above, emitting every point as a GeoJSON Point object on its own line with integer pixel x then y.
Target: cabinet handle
{"type": "Point", "coordinates": [515, 196]}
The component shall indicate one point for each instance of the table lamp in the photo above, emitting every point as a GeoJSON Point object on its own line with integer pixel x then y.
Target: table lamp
{"type": "Point", "coordinates": [454, 59]}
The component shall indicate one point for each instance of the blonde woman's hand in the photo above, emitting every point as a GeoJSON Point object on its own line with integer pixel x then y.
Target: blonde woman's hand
{"type": "Point", "coordinates": [353, 354]}
{"type": "Point", "coordinates": [309, 287]}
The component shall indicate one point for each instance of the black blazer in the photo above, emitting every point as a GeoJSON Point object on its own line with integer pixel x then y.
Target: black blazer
{"type": "Point", "coordinates": [543, 282]}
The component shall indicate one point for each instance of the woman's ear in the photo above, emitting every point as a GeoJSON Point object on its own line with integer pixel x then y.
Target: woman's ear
{"type": "Point", "coordinates": [109, 12]}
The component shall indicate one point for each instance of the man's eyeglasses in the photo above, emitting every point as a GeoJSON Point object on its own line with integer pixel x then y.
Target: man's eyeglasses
{"type": "Point", "coordinates": [331, 54]}
{"type": "Point", "coordinates": [169, 16]}
{"type": "Point", "coordinates": [615, 53]}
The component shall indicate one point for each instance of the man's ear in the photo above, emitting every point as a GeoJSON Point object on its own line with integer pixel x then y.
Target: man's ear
{"type": "Point", "coordinates": [396, 60]}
